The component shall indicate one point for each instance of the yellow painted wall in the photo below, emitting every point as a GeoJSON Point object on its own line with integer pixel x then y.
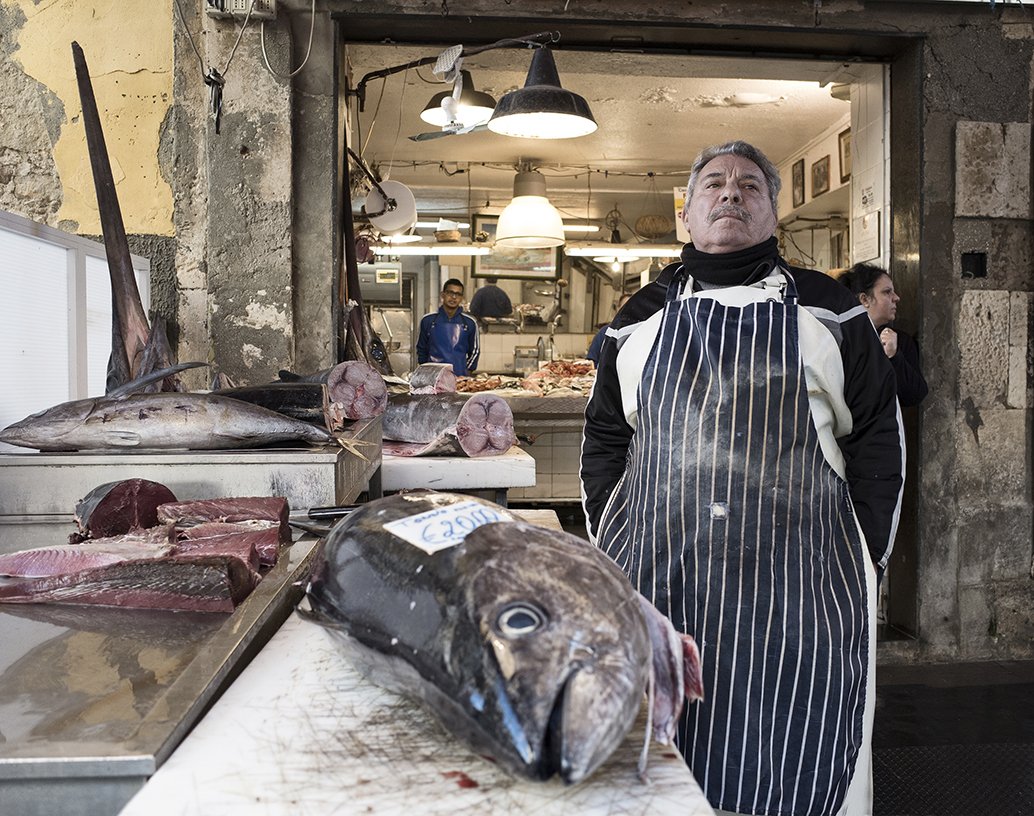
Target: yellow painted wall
{"type": "Point", "coordinates": [128, 48]}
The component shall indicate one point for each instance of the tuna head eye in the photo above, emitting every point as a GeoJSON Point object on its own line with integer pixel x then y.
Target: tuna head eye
{"type": "Point", "coordinates": [520, 619]}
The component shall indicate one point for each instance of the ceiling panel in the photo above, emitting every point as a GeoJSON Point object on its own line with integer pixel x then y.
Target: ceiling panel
{"type": "Point", "coordinates": [655, 113]}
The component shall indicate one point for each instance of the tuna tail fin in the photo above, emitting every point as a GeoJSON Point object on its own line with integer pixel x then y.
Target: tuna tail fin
{"type": "Point", "coordinates": [140, 383]}
{"type": "Point", "coordinates": [158, 355]}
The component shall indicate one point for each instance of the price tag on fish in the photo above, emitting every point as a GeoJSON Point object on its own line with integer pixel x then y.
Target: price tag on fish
{"type": "Point", "coordinates": [445, 527]}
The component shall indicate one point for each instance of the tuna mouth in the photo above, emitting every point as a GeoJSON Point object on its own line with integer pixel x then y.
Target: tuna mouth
{"type": "Point", "coordinates": [551, 755]}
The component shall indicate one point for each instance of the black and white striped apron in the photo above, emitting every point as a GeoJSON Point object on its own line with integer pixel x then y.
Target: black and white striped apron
{"type": "Point", "coordinates": [730, 520]}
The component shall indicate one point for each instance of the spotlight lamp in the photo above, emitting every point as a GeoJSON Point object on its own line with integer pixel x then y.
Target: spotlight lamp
{"type": "Point", "coordinates": [542, 109]}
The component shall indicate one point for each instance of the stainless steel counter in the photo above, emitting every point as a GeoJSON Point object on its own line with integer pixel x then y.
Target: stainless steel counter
{"type": "Point", "coordinates": [93, 700]}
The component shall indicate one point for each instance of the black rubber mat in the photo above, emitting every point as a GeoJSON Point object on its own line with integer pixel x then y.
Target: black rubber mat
{"type": "Point", "coordinates": [954, 780]}
{"type": "Point", "coordinates": [960, 742]}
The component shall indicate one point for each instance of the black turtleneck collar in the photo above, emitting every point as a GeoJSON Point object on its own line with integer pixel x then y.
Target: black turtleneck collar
{"type": "Point", "coordinates": [740, 268]}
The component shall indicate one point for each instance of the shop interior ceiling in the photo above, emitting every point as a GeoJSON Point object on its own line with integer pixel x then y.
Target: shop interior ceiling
{"type": "Point", "coordinates": [655, 113]}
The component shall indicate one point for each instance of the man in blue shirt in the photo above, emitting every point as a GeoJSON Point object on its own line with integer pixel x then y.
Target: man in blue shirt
{"type": "Point", "coordinates": [449, 335]}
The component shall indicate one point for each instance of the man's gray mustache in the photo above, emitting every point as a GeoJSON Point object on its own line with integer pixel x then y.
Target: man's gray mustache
{"type": "Point", "coordinates": [729, 209]}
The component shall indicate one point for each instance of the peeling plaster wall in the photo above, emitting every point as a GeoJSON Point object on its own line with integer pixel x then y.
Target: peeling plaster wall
{"type": "Point", "coordinates": [44, 163]}
{"type": "Point", "coordinates": [233, 204]}
{"type": "Point", "coordinates": [129, 53]}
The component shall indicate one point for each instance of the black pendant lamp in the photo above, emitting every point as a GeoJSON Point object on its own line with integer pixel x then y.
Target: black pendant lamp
{"type": "Point", "coordinates": [471, 109]}
{"type": "Point", "coordinates": [542, 109]}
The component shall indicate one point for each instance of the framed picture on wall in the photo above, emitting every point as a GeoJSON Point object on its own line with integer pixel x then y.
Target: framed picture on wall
{"type": "Point", "coordinates": [844, 142]}
{"type": "Point", "coordinates": [798, 182]}
{"type": "Point", "coordinates": [535, 264]}
{"type": "Point", "coordinates": [820, 177]}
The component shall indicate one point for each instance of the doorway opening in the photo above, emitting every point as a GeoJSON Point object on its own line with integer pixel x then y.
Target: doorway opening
{"type": "Point", "coordinates": [837, 114]}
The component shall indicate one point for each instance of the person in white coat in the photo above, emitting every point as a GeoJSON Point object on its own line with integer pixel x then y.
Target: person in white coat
{"type": "Point", "coordinates": [742, 462]}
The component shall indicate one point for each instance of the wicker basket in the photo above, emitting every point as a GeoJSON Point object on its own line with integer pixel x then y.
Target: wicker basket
{"type": "Point", "coordinates": [653, 225]}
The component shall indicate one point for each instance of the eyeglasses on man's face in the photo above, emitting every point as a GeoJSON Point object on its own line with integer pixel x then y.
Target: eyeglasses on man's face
{"type": "Point", "coordinates": [452, 293]}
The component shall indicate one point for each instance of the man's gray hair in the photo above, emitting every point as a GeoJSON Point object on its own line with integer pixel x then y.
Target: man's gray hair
{"type": "Point", "coordinates": [747, 151]}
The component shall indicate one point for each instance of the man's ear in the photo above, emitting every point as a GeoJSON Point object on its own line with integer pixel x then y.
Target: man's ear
{"type": "Point", "coordinates": [683, 216]}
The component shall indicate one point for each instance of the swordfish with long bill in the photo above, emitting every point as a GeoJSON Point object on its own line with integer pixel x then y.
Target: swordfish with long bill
{"type": "Point", "coordinates": [136, 350]}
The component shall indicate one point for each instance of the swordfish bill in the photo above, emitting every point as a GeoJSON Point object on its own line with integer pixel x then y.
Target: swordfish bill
{"type": "Point", "coordinates": [130, 330]}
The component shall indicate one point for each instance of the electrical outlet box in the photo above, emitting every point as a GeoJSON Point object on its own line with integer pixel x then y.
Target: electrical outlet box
{"type": "Point", "coordinates": [238, 9]}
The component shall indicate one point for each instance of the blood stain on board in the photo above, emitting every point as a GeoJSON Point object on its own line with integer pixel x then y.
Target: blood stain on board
{"type": "Point", "coordinates": [462, 780]}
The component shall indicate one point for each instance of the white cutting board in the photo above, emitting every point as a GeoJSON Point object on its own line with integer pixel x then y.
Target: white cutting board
{"type": "Point", "coordinates": [300, 733]}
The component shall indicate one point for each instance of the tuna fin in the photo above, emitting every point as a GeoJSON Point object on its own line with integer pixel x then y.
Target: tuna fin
{"type": "Point", "coordinates": [134, 386]}
{"type": "Point", "coordinates": [674, 672]}
{"type": "Point", "coordinates": [130, 328]}
{"type": "Point", "coordinates": [122, 439]}
{"type": "Point", "coordinates": [644, 755]}
{"type": "Point", "coordinates": [353, 445]}
{"type": "Point", "coordinates": [158, 355]}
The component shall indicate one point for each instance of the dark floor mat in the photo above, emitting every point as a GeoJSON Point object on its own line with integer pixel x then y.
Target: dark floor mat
{"type": "Point", "coordinates": [954, 780]}
{"type": "Point", "coordinates": [916, 714]}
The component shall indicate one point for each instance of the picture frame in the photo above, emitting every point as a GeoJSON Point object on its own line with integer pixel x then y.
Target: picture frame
{"type": "Point", "coordinates": [820, 177]}
{"type": "Point", "coordinates": [515, 263]}
{"type": "Point", "coordinates": [844, 145]}
{"type": "Point", "coordinates": [798, 182]}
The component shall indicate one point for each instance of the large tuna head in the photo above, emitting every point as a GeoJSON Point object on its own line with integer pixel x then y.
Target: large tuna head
{"type": "Point", "coordinates": [563, 653]}
{"type": "Point", "coordinates": [528, 643]}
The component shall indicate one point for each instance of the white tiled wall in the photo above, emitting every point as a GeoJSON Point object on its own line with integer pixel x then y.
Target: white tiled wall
{"type": "Point", "coordinates": [556, 455]}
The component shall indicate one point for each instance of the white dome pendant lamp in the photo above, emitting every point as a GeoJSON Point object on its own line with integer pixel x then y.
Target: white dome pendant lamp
{"type": "Point", "coordinates": [529, 221]}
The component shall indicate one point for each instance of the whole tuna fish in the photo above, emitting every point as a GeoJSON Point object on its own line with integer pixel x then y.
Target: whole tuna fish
{"type": "Point", "coordinates": [163, 421]}
{"type": "Point", "coordinates": [529, 643]}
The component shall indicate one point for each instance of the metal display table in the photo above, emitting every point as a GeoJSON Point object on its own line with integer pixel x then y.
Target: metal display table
{"type": "Point", "coordinates": [93, 699]}
{"type": "Point", "coordinates": [39, 491]}
{"type": "Point", "coordinates": [515, 468]}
